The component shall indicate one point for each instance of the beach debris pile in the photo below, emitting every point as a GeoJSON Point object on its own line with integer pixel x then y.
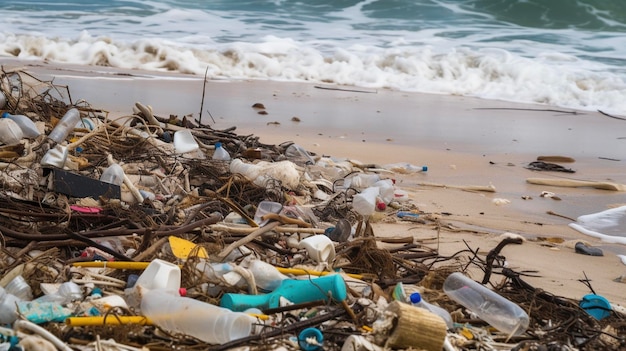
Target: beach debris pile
{"type": "Point", "coordinates": [144, 232]}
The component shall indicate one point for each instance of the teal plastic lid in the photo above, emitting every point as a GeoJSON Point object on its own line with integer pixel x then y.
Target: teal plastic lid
{"type": "Point", "coordinates": [595, 305]}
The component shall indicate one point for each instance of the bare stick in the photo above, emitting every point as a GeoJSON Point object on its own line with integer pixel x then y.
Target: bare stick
{"type": "Point", "coordinates": [248, 238]}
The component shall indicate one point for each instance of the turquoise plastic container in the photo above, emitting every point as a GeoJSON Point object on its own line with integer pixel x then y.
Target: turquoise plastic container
{"type": "Point", "coordinates": [297, 291]}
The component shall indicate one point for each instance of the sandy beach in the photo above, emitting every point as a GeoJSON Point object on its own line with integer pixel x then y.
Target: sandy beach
{"type": "Point", "coordinates": [463, 141]}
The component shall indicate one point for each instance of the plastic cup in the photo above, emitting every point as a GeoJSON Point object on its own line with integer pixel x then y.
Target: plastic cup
{"type": "Point", "coordinates": [266, 207]}
{"type": "Point", "coordinates": [319, 247]}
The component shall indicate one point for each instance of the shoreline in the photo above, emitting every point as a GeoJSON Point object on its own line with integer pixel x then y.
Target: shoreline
{"type": "Point", "coordinates": [461, 143]}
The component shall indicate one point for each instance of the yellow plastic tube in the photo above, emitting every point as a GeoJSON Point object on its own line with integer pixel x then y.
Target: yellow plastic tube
{"type": "Point", "coordinates": [106, 320]}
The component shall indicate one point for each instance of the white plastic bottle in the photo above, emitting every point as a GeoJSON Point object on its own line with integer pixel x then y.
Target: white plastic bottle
{"type": "Point", "coordinates": [209, 323]}
{"type": "Point", "coordinates": [10, 132]}
{"type": "Point", "coordinates": [28, 127]}
{"type": "Point", "coordinates": [387, 190]}
{"type": "Point", "coordinates": [220, 153]}
{"type": "Point", "coordinates": [65, 125]}
{"type": "Point", "coordinates": [488, 305]}
{"type": "Point", "coordinates": [361, 180]}
{"type": "Point", "coordinates": [417, 300]}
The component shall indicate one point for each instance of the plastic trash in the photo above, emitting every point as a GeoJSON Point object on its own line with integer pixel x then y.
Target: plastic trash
{"type": "Point", "coordinates": [311, 339]}
{"type": "Point", "coordinates": [209, 323]}
{"type": "Point", "coordinates": [67, 292]}
{"type": "Point", "coordinates": [340, 232]}
{"type": "Point", "coordinates": [595, 305]}
{"type": "Point", "coordinates": [8, 307]}
{"type": "Point", "coordinates": [417, 300]}
{"type": "Point", "coordinates": [55, 157]}
{"type": "Point", "coordinates": [489, 306]}
{"type": "Point", "coordinates": [20, 288]}
{"type": "Point", "coordinates": [114, 174]}
{"type": "Point", "coordinates": [299, 155]}
{"type": "Point", "coordinates": [28, 127]}
{"type": "Point", "coordinates": [184, 142]}
{"type": "Point", "coordinates": [361, 180]}
{"type": "Point", "coordinates": [364, 203]}
{"type": "Point", "coordinates": [40, 312]}
{"type": "Point", "coordinates": [10, 132]}
{"type": "Point", "coordinates": [386, 190]}
{"type": "Point", "coordinates": [160, 274]}
{"type": "Point", "coordinates": [319, 247]}
{"type": "Point", "coordinates": [266, 207]}
{"type": "Point", "coordinates": [3, 100]}
{"type": "Point", "coordinates": [266, 276]}
{"type": "Point", "coordinates": [65, 126]}
{"type": "Point", "coordinates": [297, 291]}
{"type": "Point", "coordinates": [220, 153]}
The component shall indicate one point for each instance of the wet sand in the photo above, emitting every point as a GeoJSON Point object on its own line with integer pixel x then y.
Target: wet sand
{"type": "Point", "coordinates": [463, 141]}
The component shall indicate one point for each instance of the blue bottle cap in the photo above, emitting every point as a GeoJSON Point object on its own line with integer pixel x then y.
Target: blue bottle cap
{"type": "Point", "coordinates": [415, 297]}
{"type": "Point", "coordinates": [5, 114]}
{"type": "Point", "coordinates": [218, 144]}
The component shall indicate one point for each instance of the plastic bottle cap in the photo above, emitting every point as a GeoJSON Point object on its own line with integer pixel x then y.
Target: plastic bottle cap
{"type": "Point", "coordinates": [182, 291]}
{"type": "Point", "coordinates": [5, 115]}
{"type": "Point", "coordinates": [218, 144]}
{"type": "Point", "coordinates": [415, 297]}
{"type": "Point", "coordinates": [310, 333]}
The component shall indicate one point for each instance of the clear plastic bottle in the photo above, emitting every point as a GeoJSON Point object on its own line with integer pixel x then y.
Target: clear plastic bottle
{"type": "Point", "coordinates": [19, 287]}
{"type": "Point", "coordinates": [3, 100]}
{"type": "Point", "coordinates": [489, 306]}
{"type": "Point", "coordinates": [417, 300]}
{"type": "Point", "coordinates": [209, 323]}
{"type": "Point", "coordinates": [68, 292]}
{"type": "Point", "coordinates": [8, 307]}
{"type": "Point", "coordinates": [220, 153]}
{"type": "Point", "coordinates": [10, 132]}
{"type": "Point", "coordinates": [28, 127]}
{"type": "Point", "coordinates": [65, 126]}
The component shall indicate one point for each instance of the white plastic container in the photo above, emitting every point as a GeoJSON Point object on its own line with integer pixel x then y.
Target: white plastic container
{"type": "Point", "coordinates": [65, 126]}
{"type": "Point", "coordinates": [319, 247]}
{"type": "Point", "coordinates": [220, 153]}
{"type": "Point", "coordinates": [417, 300]}
{"type": "Point", "coordinates": [184, 142]}
{"type": "Point", "coordinates": [160, 274]}
{"type": "Point", "coordinates": [209, 323]}
{"type": "Point", "coordinates": [28, 127]}
{"type": "Point", "coordinates": [55, 157]}
{"type": "Point", "coordinates": [8, 307]}
{"type": "Point", "coordinates": [489, 306]}
{"type": "Point", "coordinates": [10, 132]}
{"type": "Point", "coordinates": [248, 170]}
{"type": "Point", "coordinates": [364, 203]}
{"type": "Point", "coordinates": [114, 174]}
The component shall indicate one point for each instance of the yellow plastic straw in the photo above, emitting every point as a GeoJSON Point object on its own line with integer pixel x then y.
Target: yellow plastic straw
{"type": "Point", "coordinates": [300, 271]}
{"type": "Point", "coordinates": [106, 320]}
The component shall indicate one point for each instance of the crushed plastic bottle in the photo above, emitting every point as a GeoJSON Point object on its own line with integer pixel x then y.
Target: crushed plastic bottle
{"type": "Point", "coordinates": [10, 132]}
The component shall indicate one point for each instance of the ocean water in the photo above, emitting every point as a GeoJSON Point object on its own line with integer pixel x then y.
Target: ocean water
{"type": "Point", "coordinates": [565, 53]}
